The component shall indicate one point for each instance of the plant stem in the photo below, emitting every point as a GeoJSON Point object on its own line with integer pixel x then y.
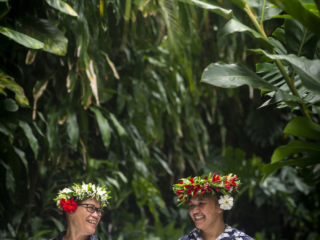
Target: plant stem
{"type": "Point", "coordinates": [279, 64]}
{"type": "Point", "coordinates": [262, 14]}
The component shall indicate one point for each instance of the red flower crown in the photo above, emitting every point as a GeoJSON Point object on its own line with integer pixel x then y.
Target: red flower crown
{"type": "Point", "coordinates": [190, 187]}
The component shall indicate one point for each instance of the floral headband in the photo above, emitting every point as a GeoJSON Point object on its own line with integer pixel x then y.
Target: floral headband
{"type": "Point", "coordinates": [190, 187]}
{"type": "Point", "coordinates": [66, 199]}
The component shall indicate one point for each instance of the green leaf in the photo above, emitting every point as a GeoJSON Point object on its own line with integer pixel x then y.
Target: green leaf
{"type": "Point", "coordinates": [303, 127]}
{"type": "Point", "coordinates": [228, 14]}
{"type": "Point", "coordinates": [44, 31]}
{"type": "Point", "coordinates": [7, 82]}
{"type": "Point", "coordinates": [62, 6]}
{"type": "Point", "coordinates": [286, 97]}
{"type": "Point", "coordinates": [23, 39]}
{"type": "Point", "coordinates": [233, 75]}
{"type": "Point", "coordinates": [118, 126]}
{"type": "Point", "coordinates": [308, 70]}
{"type": "Point", "coordinates": [10, 105]}
{"type": "Point", "coordinates": [294, 147]}
{"type": "Point", "coordinates": [104, 127]}
{"type": "Point", "coordinates": [22, 156]}
{"type": "Point", "coordinates": [300, 13]}
{"type": "Point", "coordinates": [73, 129]}
{"type": "Point", "coordinates": [279, 33]}
{"type": "Point", "coordinates": [301, 162]}
{"type": "Point", "coordinates": [10, 180]}
{"type": "Point", "coordinates": [31, 138]}
{"type": "Point", "coordinates": [300, 41]}
{"type": "Point", "coordinates": [235, 26]}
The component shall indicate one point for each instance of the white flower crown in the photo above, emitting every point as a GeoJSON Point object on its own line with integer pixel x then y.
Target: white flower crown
{"type": "Point", "coordinates": [81, 192]}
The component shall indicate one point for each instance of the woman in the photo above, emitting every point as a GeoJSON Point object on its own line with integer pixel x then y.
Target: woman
{"type": "Point", "coordinates": [209, 199]}
{"type": "Point", "coordinates": [83, 205]}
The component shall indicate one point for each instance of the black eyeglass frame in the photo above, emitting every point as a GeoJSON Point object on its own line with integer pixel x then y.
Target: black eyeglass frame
{"type": "Point", "coordinates": [95, 209]}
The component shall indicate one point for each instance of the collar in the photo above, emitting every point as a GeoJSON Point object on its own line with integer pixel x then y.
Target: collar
{"type": "Point", "coordinates": [195, 234]}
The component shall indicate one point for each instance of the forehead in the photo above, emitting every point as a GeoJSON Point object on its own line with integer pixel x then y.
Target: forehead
{"type": "Point", "coordinates": [92, 201]}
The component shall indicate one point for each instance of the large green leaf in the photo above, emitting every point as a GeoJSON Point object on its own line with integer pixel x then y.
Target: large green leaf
{"type": "Point", "coordinates": [293, 147]}
{"type": "Point", "coordinates": [31, 138]}
{"type": "Point", "coordinates": [286, 97]}
{"type": "Point", "coordinates": [228, 14]}
{"type": "Point", "coordinates": [62, 6]}
{"type": "Point", "coordinates": [22, 156]}
{"type": "Point", "coordinates": [233, 75]}
{"type": "Point", "coordinates": [235, 26]}
{"type": "Point", "coordinates": [300, 41]}
{"type": "Point", "coordinates": [297, 10]}
{"type": "Point", "coordinates": [23, 39]}
{"type": "Point", "coordinates": [44, 31]}
{"type": "Point", "coordinates": [301, 162]}
{"type": "Point", "coordinates": [240, 3]}
{"type": "Point", "coordinates": [7, 82]}
{"type": "Point", "coordinates": [303, 127]}
{"type": "Point", "coordinates": [308, 70]}
{"type": "Point", "coordinates": [104, 127]}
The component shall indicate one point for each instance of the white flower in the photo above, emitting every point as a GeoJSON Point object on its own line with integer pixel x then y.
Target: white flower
{"type": "Point", "coordinates": [93, 187]}
{"type": "Point", "coordinates": [66, 190]}
{"type": "Point", "coordinates": [85, 187]}
{"type": "Point", "coordinates": [226, 202]}
{"type": "Point", "coordinates": [230, 190]}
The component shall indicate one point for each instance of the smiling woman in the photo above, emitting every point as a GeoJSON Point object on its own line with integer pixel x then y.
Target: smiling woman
{"type": "Point", "coordinates": [209, 199]}
{"type": "Point", "coordinates": [83, 205]}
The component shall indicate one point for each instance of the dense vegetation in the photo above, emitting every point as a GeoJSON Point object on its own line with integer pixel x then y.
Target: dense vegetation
{"type": "Point", "coordinates": [109, 92]}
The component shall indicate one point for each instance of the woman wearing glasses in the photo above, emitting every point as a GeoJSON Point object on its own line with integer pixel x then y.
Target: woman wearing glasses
{"type": "Point", "coordinates": [83, 204]}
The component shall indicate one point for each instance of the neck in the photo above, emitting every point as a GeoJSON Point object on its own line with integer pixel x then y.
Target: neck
{"type": "Point", "coordinates": [74, 235]}
{"type": "Point", "coordinates": [214, 232]}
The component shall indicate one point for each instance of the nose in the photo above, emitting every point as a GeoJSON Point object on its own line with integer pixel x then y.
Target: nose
{"type": "Point", "coordinates": [95, 214]}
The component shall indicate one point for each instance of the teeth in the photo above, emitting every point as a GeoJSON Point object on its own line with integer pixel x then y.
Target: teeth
{"type": "Point", "coordinates": [199, 217]}
{"type": "Point", "coordinates": [92, 222]}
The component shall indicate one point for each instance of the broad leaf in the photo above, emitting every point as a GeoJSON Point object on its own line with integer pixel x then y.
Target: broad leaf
{"type": "Point", "coordinates": [266, 11]}
{"type": "Point", "coordinates": [104, 127]}
{"type": "Point", "coordinates": [235, 26]}
{"type": "Point", "coordinates": [285, 97]}
{"type": "Point", "coordinates": [93, 81]}
{"type": "Point", "coordinates": [23, 39]}
{"type": "Point", "coordinates": [240, 3]}
{"type": "Point", "coordinates": [22, 156]}
{"type": "Point", "coordinates": [228, 14]}
{"type": "Point", "coordinates": [233, 75]}
{"type": "Point", "coordinates": [300, 13]}
{"type": "Point", "coordinates": [300, 41]}
{"type": "Point", "coordinates": [294, 147]}
{"type": "Point", "coordinates": [62, 6]}
{"type": "Point", "coordinates": [308, 70]}
{"type": "Point", "coordinates": [7, 82]}
{"type": "Point", "coordinates": [301, 162]}
{"type": "Point", "coordinates": [118, 126]}
{"type": "Point", "coordinates": [44, 31]}
{"type": "Point", "coordinates": [303, 127]}
{"type": "Point", "coordinates": [31, 138]}
{"type": "Point", "coordinates": [10, 105]}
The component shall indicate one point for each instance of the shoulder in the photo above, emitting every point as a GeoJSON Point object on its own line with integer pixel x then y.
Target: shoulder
{"type": "Point", "coordinates": [238, 235]}
{"type": "Point", "coordinates": [94, 237]}
{"type": "Point", "coordinates": [233, 234]}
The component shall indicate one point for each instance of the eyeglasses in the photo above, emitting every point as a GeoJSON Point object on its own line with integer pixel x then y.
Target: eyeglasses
{"type": "Point", "coordinates": [92, 209]}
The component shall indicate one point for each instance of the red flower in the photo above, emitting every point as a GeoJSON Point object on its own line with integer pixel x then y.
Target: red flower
{"type": "Point", "coordinates": [191, 180]}
{"type": "Point", "coordinates": [203, 191]}
{"type": "Point", "coordinates": [206, 178]}
{"type": "Point", "coordinates": [227, 185]}
{"type": "Point", "coordinates": [180, 182]}
{"type": "Point", "coordinates": [69, 205]}
{"type": "Point", "coordinates": [215, 178]}
{"type": "Point", "coordinates": [217, 189]}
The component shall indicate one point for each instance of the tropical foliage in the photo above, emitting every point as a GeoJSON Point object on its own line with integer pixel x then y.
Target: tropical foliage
{"type": "Point", "coordinates": [108, 92]}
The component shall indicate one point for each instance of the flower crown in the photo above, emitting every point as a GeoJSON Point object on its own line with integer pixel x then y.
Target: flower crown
{"type": "Point", "coordinates": [190, 187]}
{"type": "Point", "coordinates": [66, 199]}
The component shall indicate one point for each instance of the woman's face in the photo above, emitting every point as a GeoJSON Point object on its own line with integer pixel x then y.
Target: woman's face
{"type": "Point", "coordinates": [85, 222]}
{"type": "Point", "coordinates": [205, 212]}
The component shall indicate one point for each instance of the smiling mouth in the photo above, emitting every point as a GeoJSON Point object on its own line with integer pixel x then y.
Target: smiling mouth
{"type": "Point", "coordinates": [199, 217]}
{"type": "Point", "coordinates": [92, 222]}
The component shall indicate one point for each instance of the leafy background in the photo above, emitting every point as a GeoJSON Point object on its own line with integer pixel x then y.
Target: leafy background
{"type": "Point", "coordinates": [109, 92]}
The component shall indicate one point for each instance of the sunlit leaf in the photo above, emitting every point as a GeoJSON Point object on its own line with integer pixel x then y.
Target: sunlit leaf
{"type": "Point", "coordinates": [303, 127]}
{"type": "Point", "coordinates": [44, 31]}
{"type": "Point", "coordinates": [23, 39]}
{"type": "Point", "coordinates": [62, 6]}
